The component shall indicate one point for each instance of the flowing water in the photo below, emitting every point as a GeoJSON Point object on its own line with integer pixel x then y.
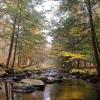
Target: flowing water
{"type": "Point", "coordinates": [67, 90]}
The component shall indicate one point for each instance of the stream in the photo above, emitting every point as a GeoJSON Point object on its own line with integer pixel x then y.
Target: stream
{"type": "Point", "coordinates": [71, 89]}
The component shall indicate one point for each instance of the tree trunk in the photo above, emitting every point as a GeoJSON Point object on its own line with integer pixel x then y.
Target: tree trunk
{"type": "Point", "coordinates": [12, 37]}
{"type": "Point", "coordinates": [19, 57]}
{"type": "Point", "coordinates": [84, 64]}
{"type": "Point", "coordinates": [78, 63]}
{"type": "Point", "coordinates": [16, 40]}
{"type": "Point", "coordinates": [11, 43]}
{"type": "Point", "coordinates": [94, 39]}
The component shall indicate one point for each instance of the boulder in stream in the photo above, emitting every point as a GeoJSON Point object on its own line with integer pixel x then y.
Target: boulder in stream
{"type": "Point", "coordinates": [22, 88]}
{"type": "Point", "coordinates": [38, 84]}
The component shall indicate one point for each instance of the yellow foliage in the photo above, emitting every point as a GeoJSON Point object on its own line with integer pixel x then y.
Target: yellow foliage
{"type": "Point", "coordinates": [73, 56]}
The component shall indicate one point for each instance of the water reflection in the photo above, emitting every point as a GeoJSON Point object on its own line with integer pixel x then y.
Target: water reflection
{"type": "Point", "coordinates": [67, 90]}
{"type": "Point", "coordinates": [46, 95]}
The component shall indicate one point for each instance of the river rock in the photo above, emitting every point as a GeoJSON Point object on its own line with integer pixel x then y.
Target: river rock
{"type": "Point", "coordinates": [38, 84]}
{"type": "Point", "coordinates": [23, 88]}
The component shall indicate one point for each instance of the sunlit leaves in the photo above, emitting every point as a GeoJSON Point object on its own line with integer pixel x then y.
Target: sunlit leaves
{"type": "Point", "coordinates": [73, 56]}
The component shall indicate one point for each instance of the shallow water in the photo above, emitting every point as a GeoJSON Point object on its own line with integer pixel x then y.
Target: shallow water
{"type": "Point", "coordinates": [67, 90]}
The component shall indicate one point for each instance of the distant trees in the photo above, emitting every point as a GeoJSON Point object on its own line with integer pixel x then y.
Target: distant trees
{"type": "Point", "coordinates": [21, 28]}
